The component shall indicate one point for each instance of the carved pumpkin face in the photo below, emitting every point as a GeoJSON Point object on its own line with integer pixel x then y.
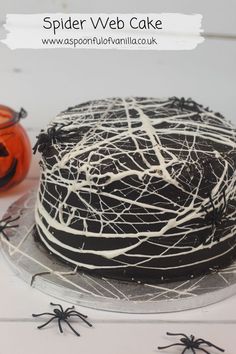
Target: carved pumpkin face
{"type": "Point", "coordinates": [15, 149]}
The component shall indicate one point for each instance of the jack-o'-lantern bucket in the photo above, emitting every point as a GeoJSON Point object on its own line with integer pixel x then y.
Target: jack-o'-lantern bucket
{"type": "Point", "coordinates": [15, 148]}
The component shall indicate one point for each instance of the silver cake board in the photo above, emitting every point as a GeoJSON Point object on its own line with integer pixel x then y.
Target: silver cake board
{"type": "Point", "coordinates": [33, 263]}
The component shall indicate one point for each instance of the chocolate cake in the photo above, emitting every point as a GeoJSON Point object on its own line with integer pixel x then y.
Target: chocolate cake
{"type": "Point", "coordinates": [138, 188]}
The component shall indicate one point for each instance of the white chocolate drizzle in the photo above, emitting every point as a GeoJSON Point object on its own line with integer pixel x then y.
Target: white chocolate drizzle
{"type": "Point", "coordinates": [138, 177]}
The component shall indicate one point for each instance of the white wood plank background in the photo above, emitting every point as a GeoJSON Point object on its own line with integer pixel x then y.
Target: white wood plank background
{"type": "Point", "coordinates": [47, 81]}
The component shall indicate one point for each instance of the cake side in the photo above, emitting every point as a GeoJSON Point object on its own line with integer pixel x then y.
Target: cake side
{"type": "Point", "coordinates": [139, 188]}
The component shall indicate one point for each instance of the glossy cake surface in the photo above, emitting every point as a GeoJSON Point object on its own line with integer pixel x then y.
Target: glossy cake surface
{"type": "Point", "coordinates": [138, 188]}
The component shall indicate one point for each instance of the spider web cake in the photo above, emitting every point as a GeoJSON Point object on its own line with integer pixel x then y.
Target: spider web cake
{"type": "Point", "coordinates": [138, 188]}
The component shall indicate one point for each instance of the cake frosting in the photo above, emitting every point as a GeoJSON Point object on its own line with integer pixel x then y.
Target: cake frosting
{"type": "Point", "coordinates": [138, 188]}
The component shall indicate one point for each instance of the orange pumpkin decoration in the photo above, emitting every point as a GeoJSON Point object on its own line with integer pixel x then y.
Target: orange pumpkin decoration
{"type": "Point", "coordinates": [15, 148]}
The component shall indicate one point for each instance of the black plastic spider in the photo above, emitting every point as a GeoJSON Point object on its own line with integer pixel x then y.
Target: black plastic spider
{"type": "Point", "coordinates": [182, 103]}
{"type": "Point", "coordinates": [190, 343]}
{"type": "Point", "coordinates": [213, 214]}
{"type": "Point", "coordinates": [62, 315]}
{"type": "Point", "coordinates": [5, 224]}
{"type": "Point", "coordinates": [46, 138]}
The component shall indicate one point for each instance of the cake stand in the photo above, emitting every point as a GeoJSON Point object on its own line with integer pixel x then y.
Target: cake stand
{"type": "Point", "coordinates": [37, 267]}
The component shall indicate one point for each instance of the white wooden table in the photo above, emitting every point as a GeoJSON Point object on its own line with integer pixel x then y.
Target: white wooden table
{"type": "Point", "coordinates": [47, 81]}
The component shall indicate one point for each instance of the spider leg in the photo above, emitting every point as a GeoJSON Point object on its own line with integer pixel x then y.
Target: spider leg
{"type": "Point", "coordinates": [183, 103]}
{"type": "Point", "coordinates": [173, 101]}
{"type": "Point", "coordinates": [5, 219]}
{"type": "Point", "coordinates": [203, 341]}
{"type": "Point", "coordinates": [10, 226]}
{"type": "Point", "coordinates": [35, 147]}
{"type": "Point", "coordinates": [14, 219]}
{"type": "Point", "coordinates": [66, 125]}
{"type": "Point", "coordinates": [60, 128]}
{"type": "Point", "coordinates": [59, 325]}
{"type": "Point", "coordinates": [72, 328]}
{"type": "Point", "coordinates": [41, 314]}
{"type": "Point", "coordinates": [171, 345]}
{"type": "Point", "coordinates": [45, 324]}
{"type": "Point", "coordinates": [61, 308]}
{"type": "Point", "coordinates": [177, 334]}
{"type": "Point", "coordinates": [69, 308]}
{"type": "Point", "coordinates": [5, 235]}
{"type": "Point", "coordinates": [185, 350]}
{"type": "Point", "coordinates": [82, 318]}
{"type": "Point", "coordinates": [78, 313]}
{"type": "Point", "coordinates": [200, 341]}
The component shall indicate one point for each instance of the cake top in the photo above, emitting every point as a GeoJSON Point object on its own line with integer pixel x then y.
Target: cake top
{"type": "Point", "coordinates": [177, 141]}
{"type": "Point", "coordinates": [145, 149]}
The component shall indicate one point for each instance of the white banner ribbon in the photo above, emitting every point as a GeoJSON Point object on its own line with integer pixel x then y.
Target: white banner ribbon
{"type": "Point", "coordinates": [166, 31]}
